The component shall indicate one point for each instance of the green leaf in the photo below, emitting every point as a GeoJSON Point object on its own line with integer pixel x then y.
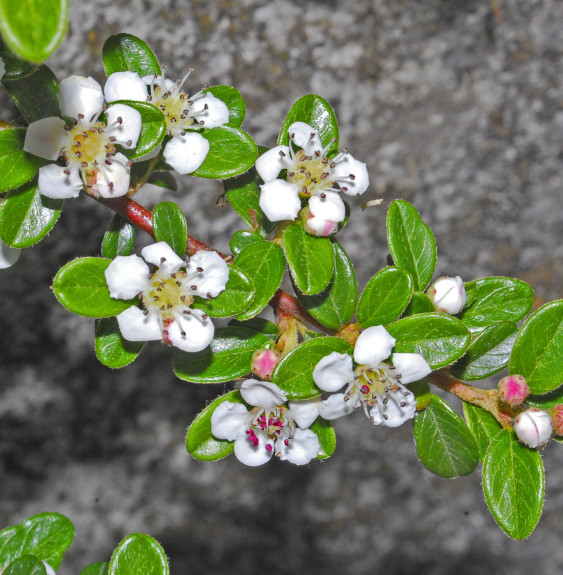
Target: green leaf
{"type": "Point", "coordinates": [310, 259]}
{"type": "Point", "coordinates": [81, 287]}
{"type": "Point", "coordinates": [47, 536]}
{"type": "Point", "coordinates": [33, 29]}
{"type": "Point", "coordinates": [316, 112]}
{"type": "Point", "coordinates": [420, 303]}
{"type": "Point", "coordinates": [421, 391]}
{"type": "Point", "coordinates": [327, 437]}
{"type": "Point", "coordinates": [411, 243]}
{"type": "Point", "coordinates": [16, 166]}
{"type": "Point", "coordinates": [439, 338]}
{"type": "Point", "coordinates": [243, 239]}
{"type": "Point", "coordinates": [231, 152]}
{"type": "Point", "coordinates": [385, 297]}
{"type": "Point", "coordinates": [170, 226]}
{"type": "Point", "coordinates": [111, 349]}
{"type": "Point", "coordinates": [234, 101]}
{"type": "Point", "coordinates": [124, 52]}
{"type": "Point", "coordinates": [514, 484]}
{"type": "Point", "coordinates": [227, 357]}
{"type": "Point", "coordinates": [163, 180]}
{"type": "Point", "coordinates": [200, 442]}
{"type": "Point", "coordinates": [335, 306]}
{"type": "Point", "coordinates": [138, 553]}
{"type": "Point", "coordinates": [26, 216]}
{"type": "Point", "coordinates": [444, 444]}
{"type": "Point", "coordinates": [488, 353]}
{"type": "Point", "coordinates": [294, 372]}
{"type": "Point", "coordinates": [99, 568]}
{"type": "Point", "coordinates": [119, 239]}
{"type": "Point", "coordinates": [263, 262]}
{"type": "Point", "coordinates": [538, 350]}
{"type": "Point", "coordinates": [26, 565]}
{"type": "Point", "coordinates": [497, 299]}
{"type": "Point", "coordinates": [547, 400]}
{"type": "Point", "coordinates": [259, 324]}
{"type": "Point", "coordinates": [482, 424]}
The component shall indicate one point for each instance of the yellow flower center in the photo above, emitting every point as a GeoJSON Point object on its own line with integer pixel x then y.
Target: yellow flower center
{"type": "Point", "coordinates": [90, 147]}
{"type": "Point", "coordinates": [167, 294]}
{"type": "Point", "coordinates": [176, 108]}
{"type": "Point", "coordinates": [310, 173]}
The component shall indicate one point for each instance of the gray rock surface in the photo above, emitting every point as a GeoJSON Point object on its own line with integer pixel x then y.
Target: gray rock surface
{"type": "Point", "coordinates": [456, 107]}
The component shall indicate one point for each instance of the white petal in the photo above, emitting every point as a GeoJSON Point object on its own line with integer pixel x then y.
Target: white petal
{"type": "Point", "coordinates": [271, 163]}
{"type": "Point", "coordinates": [305, 412]}
{"type": "Point", "coordinates": [262, 393]}
{"type": "Point", "coordinates": [113, 180]}
{"type": "Point", "coordinates": [136, 326]}
{"type": "Point", "coordinates": [186, 153]}
{"type": "Point", "coordinates": [246, 453]}
{"type": "Point", "coordinates": [331, 207]}
{"type": "Point", "coordinates": [8, 255]}
{"type": "Point", "coordinates": [448, 295]}
{"type": "Point", "coordinates": [302, 136]}
{"type": "Point", "coordinates": [127, 276]}
{"type": "Point", "coordinates": [347, 166]}
{"type": "Point", "coordinates": [279, 200]}
{"type": "Point", "coordinates": [128, 130]}
{"type": "Point", "coordinates": [302, 447]}
{"type": "Point", "coordinates": [533, 427]}
{"type": "Point", "coordinates": [333, 371]}
{"type": "Point", "coordinates": [46, 138]}
{"type": "Point", "coordinates": [162, 255]}
{"type": "Point", "coordinates": [393, 414]}
{"type": "Point", "coordinates": [373, 346]}
{"type": "Point", "coordinates": [125, 86]}
{"type": "Point", "coordinates": [216, 114]}
{"type": "Point", "coordinates": [335, 406]}
{"type": "Point", "coordinates": [167, 85]}
{"type": "Point", "coordinates": [212, 279]}
{"type": "Point", "coordinates": [410, 367]}
{"type": "Point", "coordinates": [230, 420]}
{"type": "Point", "coordinates": [191, 332]}
{"type": "Point", "coordinates": [80, 98]}
{"type": "Point", "coordinates": [320, 227]}
{"type": "Point", "coordinates": [49, 570]}
{"type": "Point", "coordinates": [54, 183]}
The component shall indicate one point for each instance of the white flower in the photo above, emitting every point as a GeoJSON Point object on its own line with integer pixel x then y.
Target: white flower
{"type": "Point", "coordinates": [8, 255]}
{"type": "Point", "coordinates": [166, 294]}
{"type": "Point", "coordinates": [88, 148]}
{"type": "Point", "coordinates": [374, 385]}
{"type": "Point", "coordinates": [448, 295]}
{"type": "Point", "coordinates": [533, 427]}
{"type": "Point", "coordinates": [311, 174]}
{"type": "Point", "coordinates": [187, 149]}
{"type": "Point", "coordinates": [269, 427]}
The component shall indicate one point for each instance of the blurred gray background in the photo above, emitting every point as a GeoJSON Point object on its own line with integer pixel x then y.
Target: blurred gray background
{"type": "Point", "coordinates": [456, 107]}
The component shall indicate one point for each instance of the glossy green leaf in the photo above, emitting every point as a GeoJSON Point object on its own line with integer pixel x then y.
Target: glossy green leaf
{"type": "Point", "coordinates": [26, 565]}
{"type": "Point", "coordinates": [259, 324]}
{"type": "Point", "coordinates": [163, 180]}
{"type": "Point", "coordinates": [538, 350]}
{"type": "Point", "coordinates": [111, 349]}
{"type": "Point", "coordinates": [81, 287]}
{"type": "Point", "coordinates": [99, 568]}
{"type": "Point", "coordinates": [138, 553]}
{"type": "Point", "coordinates": [514, 484]}
{"type": "Point", "coordinates": [119, 239]}
{"type": "Point", "coordinates": [310, 259]}
{"type": "Point", "coordinates": [327, 437]}
{"type": "Point", "coordinates": [420, 303]}
{"type": "Point", "coordinates": [335, 306]}
{"type": "Point", "coordinates": [170, 226]}
{"type": "Point", "coordinates": [411, 243]}
{"type": "Point", "coordinates": [482, 424]}
{"type": "Point", "coordinates": [316, 112]}
{"type": "Point", "coordinates": [124, 52]}
{"type": "Point", "coordinates": [47, 536]}
{"type": "Point", "coordinates": [26, 216]}
{"type": "Point", "coordinates": [242, 239]}
{"type": "Point", "coordinates": [547, 400]}
{"type": "Point", "coordinates": [385, 297]}
{"type": "Point", "coordinates": [200, 441]}
{"type": "Point", "coordinates": [294, 373]}
{"type": "Point", "coordinates": [439, 338]}
{"type": "Point", "coordinates": [263, 262]}
{"type": "Point", "coordinates": [234, 101]}
{"type": "Point", "coordinates": [16, 67]}
{"type": "Point", "coordinates": [497, 299]}
{"type": "Point", "coordinates": [16, 166]}
{"type": "Point", "coordinates": [421, 391]}
{"type": "Point", "coordinates": [227, 357]}
{"type": "Point", "coordinates": [33, 29]}
{"type": "Point", "coordinates": [444, 444]}
{"type": "Point", "coordinates": [488, 353]}
{"type": "Point", "coordinates": [231, 152]}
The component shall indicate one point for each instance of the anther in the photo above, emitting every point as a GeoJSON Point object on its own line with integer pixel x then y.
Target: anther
{"type": "Point", "coordinates": [200, 269]}
{"type": "Point", "coordinates": [312, 136]}
{"type": "Point", "coordinates": [146, 312]}
{"type": "Point", "coordinates": [333, 165]}
{"type": "Point", "coordinates": [162, 260]}
{"type": "Point", "coordinates": [183, 332]}
{"type": "Point", "coordinates": [129, 143]}
{"type": "Point", "coordinates": [81, 116]}
{"type": "Point", "coordinates": [351, 176]}
{"type": "Point", "coordinates": [108, 163]}
{"type": "Point", "coordinates": [187, 312]}
{"type": "Point", "coordinates": [204, 316]}
{"type": "Point", "coordinates": [194, 287]}
{"type": "Point", "coordinates": [66, 172]}
{"type": "Point", "coordinates": [282, 153]}
{"type": "Point", "coordinates": [78, 144]}
{"type": "Point", "coordinates": [119, 120]}
{"type": "Point", "coordinates": [78, 154]}
{"type": "Point", "coordinates": [323, 196]}
{"type": "Point", "coordinates": [84, 164]}
{"type": "Point", "coordinates": [209, 296]}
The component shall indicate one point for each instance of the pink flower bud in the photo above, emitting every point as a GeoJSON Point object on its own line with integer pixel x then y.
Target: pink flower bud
{"type": "Point", "coordinates": [316, 226]}
{"type": "Point", "coordinates": [448, 295]}
{"type": "Point", "coordinates": [263, 362]}
{"type": "Point", "coordinates": [533, 427]}
{"type": "Point", "coordinates": [556, 413]}
{"type": "Point", "coordinates": [513, 389]}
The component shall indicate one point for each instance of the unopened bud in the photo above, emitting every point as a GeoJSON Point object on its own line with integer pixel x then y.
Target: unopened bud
{"type": "Point", "coordinates": [513, 389]}
{"type": "Point", "coordinates": [556, 413]}
{"type": "Point", "coordinates": [533, 427]}
{"type": "Point", "coordinates": [317, 226]}
{"type": "Point", "coordinates": [448, 295]}
{"type": "Point", "coordinates": [263, 362]}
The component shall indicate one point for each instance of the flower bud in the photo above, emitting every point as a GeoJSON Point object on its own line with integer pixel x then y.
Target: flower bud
{"type": "Point", "coordinates": [263, 362]}
{"type": "Point", "coordinates": [513, 389]}
{"type": "Point", "coordinates": [448, 294]}
{"type": "Point", "coordinates": [556, 413]}
{"type": "Point", "coordinates": [533, 427]}
{"type": "Point", "coordinates": [317, 226]}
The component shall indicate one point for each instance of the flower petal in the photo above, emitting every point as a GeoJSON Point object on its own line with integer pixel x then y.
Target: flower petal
{"type": "Point", "coordinates": [54, 182]}
{"type": "Point", "coordinates": [8, 255]}
{"type": "Point", "coordinates": [333, 371]}
{"type": "Point", "coordinates": [320, 227]}
{"type": "Point", "coordinates": [192, 332]}
{"type": "Point", "coordinates": [373, 346]}
{"type": "Point", "coordinates": [330, 207]}
{"type": "Point", "coordinates": [400, 407]}
{"type": "Point", "coordinates": [410, 367]}
{"type": "Point", "coordinates": [46, 138]}
{"type": "Point", "coordinates": [336, 406]}
{"type": "Point", "coordinates": [162, 255]}
{"type": "Point", "coordinates": [305, 412]}
{"type": "Point", "coordinates": [279, 200]}
{"type": "Point", "coordinates": [112, 180]}
{"type": "Point", "coordinates": [213, 278]}
{"type": "Point", "coordinates": [350, 174]}
{"type": "Point", "coordinates": [81, 98]}
{"type": "Point", "coordinates": [125, 86]}
{"type": "Point", "coordinates": [246, 453]}
{"type": "Point", "coordinates": [230, 420]}
{"type": "Point", "coordinates": [301, 448]}
{"type": "Point", "coordinates": [216, 114]}
{"type": "Point", "coordinates": [136, 326]}
{"type": "Point", "coordinates": [124, 124]}
{"type": "Point", "coordinates": [448, 295]}
{"type": "Point", "coordinates": [186, 153]}
{"type": "Point", "coordinates": [127, 276]}
{"type": "Point", "coordinates": [262, 393]}
{"type": "Point", "coordinates": [305, 137]}
{"type": "Point", "coordinates": [271, 163]}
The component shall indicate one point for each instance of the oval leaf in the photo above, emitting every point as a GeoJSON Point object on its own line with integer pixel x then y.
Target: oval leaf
{"type": "Point", "coordinates": [420, 303]}
{"type": "Point", "coordinates": [111, 349]}
{"type": "Point", "coordinates": [547, 400]}
{"type": "Point", "coordinates": [119, 239]}
{"type": "Point", "coordinates": [327, 437]}
{"type": "Point", "coordinates": [234, 101]}
{"type": "Point", "coordinates": [16, 166]}
{"type": "Point", "coordinates": [26, 565]}
{"type": "Point", "coordinates": [138, 553]}
{"type": "Point", "coordinates": [124, 52]}
{"type": "Point", "coordinates": [482, 424]}
{"type": "Point", "coordinates": [99, 568]}
{"type": "Point", "coordinates": [242, 239]}
{"type": "Point", "coordinates": [170, 226]}
{"type": "Point", "coordinates": [259, 324]}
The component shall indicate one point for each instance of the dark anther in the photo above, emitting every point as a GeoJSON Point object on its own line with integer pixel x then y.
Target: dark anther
{"type": "Point", "coordinates": [200, 269]}
{"type": "Point", "coordinates": [67, 172]}
{"type": "Point", "coordinates": [183, 332]}
{"type": "Point", "coordinates": [194, 287]}
{"type": "Point", "coordinates": [187, 312]}
{"type": "Point", "coordinates": [108, 162]}
{"type": "Point", "coordinates": [333, 165]}
{"type": "Point", "coordinates": [209, 296]}
{"type": "Point", "coordinates": [352, 177]}
{"type": "Point", "coordinates": [129, 143]}
{"type": "Point", "coordinates": [162, 260]}
{"type": "Point", "coordinates": [81, 116]}
{"type": "Point", "coordinates": [312, 136]}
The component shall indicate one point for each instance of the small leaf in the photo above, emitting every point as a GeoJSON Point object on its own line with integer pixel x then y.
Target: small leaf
{"type": "Point", "coordinates": [124, 52]}
{"type": "Point", "coordinates": [227, 357]}
{"type": "Point", "coordinates": [514, 484]}
{"type": "Point", "coordinates": [327, 437]}
{"type": "Point", "coordinates": [482, 424]}
{"type": "Point", "coordinates": [119, 239]}
{"type": "Point", "coordinates": [421, 391]}
{"type": "Point", "coordinates": [16, 166]}
{"type": "Point", "coordinates": [81, 287]}
{"type": "Point", "coordinates": [420, 303]}
{"type": "Point", "coordinates": [170, 226]}
{"type": "Point", "coordinates": [385, 297]}
{"type": "Point", "coordinates": [234, 101]}
{"type": "Point", "coordinates": [259, 324]}
{"type": "Point", "coordinates": [99, 568]}
{"type": "Point", "coordinates": [111, 348]}
{"type": "Point", "coordinates": [163, 180]}
{"type": "Point", "coordinates": [547, 400]}
{"type": "Point", "coordinates": [243, 239]}
{"type": "Point", "coordinates": [26, 565]}
{"type": "Point", "coordinates": [444, 444]}
{"type": "Point", "coordinates": [138, 553]}
{"type": "Point", "coordinates": [538, 350]}
{"type": "Point", "coordinates": [411, 243]}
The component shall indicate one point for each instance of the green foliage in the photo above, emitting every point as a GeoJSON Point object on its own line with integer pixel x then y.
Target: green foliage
{"type": "Point", "coordinates": [420, 303]}
{"type": "Point", "coordinates": [234, 101]}
{"type": "Point", "coordinates": [111, 348]}
{"type": "Point", "coordinates": [124, 52]}
{"type": "Point", "coordinates": [119, 239]}
{"type": "Point", "coordinates": [169, 225]}
{"type": "Point", "coordinates": [99, 568]}
{"type": "Point", "coordinates": [16, 166]}
{"type": "Point", "coordinates": [138, 553]}
{"type": "Point", "coordinates": [482, 424]}
{"type": "Point", "coordinates": [243, 239]}
{"type": "Point", "coordinates": [26, 565]}
{"type": "Point", "coordinates": [327, 438]}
